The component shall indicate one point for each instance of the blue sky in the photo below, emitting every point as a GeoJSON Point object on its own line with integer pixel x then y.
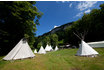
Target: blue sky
{"type": "Point", "coordinates": [57, 13]}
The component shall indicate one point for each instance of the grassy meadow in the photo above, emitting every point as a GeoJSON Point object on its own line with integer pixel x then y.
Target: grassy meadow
{"type": "Point", "coordinates": [57, 60]}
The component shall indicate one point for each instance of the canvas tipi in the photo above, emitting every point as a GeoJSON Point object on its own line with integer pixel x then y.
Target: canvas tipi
{"type": "Point", "coordinates": [35, 51]}
{"type": "Point", "coordinates": [20, 51]}
{"type": "Point", "coordinates": [42, 51]}
{"type": "Point", "coordinates": [86, 50]}
{"type": "Point", "coordinates": [51, 49]}
{"type": "Point", "coordinates": [56, 48]}
{"type": "Point", "coordinates": [47, 48]}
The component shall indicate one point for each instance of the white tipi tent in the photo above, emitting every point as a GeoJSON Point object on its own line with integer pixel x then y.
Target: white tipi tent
{"type": "Point", "coordinates": [47, 48]}
{"type": "Point", "coordinates": [42, 51]}
{"type": "Point", "coordinates": [86, 50]}
{"type": "Point", "coordinates": [51, 49]}
{"type": "Point", "coordinates": [56, 48]}
{"type": "Point", "coordinates": [35, 51]}
{"type": "Point", "coordinates": [20, 51]}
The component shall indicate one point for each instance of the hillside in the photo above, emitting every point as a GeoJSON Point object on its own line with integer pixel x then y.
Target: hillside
{"type": "Point", "coordinates": [60, 28]}
{"type": "Point", "coordinates": [54, 37]}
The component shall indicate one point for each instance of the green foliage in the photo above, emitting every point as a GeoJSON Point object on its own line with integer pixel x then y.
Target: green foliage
{"type": "Point", "coordinates": [47, 38]}
{"type": "Point", "coordinates": [17, 21]}
{"type": "Point", "coordinates": [51, 39]}
{"type": "Point", "coordinates": [54, 40]}
{"type": "Point", "coordinates": [26, 36]}
{"type": "Point", "coordinates": [39, 45]}
{"type": "Point", "coordinates": [45, 41]}
{"type": "Point", "coordinates": [61, 42]}
{"type": "Point", "coordinates": [69, 35]}
{"type": "Point", "coordinates": [102, 6]}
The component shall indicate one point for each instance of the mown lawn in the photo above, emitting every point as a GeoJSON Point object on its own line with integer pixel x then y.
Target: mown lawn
{"type": "Point", "coordinates": [57, 60]}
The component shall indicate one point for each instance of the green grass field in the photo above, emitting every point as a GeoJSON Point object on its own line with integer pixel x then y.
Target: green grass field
{"type": "Point", "coordinates": [57, 60]}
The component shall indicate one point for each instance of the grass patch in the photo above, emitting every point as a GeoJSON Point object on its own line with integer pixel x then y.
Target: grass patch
{"type": "Point", "coordinates": [57, 60]}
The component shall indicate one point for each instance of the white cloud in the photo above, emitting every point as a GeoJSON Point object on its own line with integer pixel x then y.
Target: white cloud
{"type": "Point", "coordinates": [85, 5]}
{"type": "Point", "coordinates": [60, 1]}
{"type": "Point", "coordinates": [70, 5]}
{"type": "Point", "coordinates": [56, 26]}
{"type": "Point", "coordinates": [63, 1]}
{"type": "Point", "coordinates": [79, 14]}
{"type": "Point", "coordinates": [88, 11]}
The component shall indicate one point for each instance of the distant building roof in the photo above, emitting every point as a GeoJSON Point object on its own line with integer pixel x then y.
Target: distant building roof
{"type": "Point", "coordinates": [96, 44]}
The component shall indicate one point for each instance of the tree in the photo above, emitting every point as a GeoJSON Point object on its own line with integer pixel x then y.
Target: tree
{"type": "Point", "coordinates": [39, 45]}
{"type": "Point", "coordinates": [54, 40]}
{"type": "Point", "coordinates": [16, 21]}
{"type": "Point", "coordinates": [46, 40]}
